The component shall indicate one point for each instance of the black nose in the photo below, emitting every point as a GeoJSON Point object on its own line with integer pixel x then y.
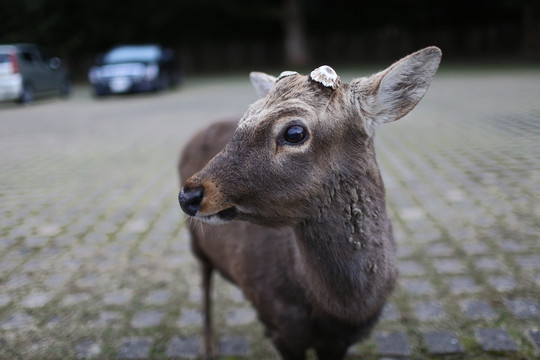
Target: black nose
{"type": "Point", "coordinates": [190, 200]}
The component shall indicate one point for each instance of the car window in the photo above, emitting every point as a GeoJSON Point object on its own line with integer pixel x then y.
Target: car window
{"type": "Point", "coordinates": [29, 57]}
{"type": "Point", "coordinates": [4, 58]}
{"type": "Point", "coordinates": [132, 53]}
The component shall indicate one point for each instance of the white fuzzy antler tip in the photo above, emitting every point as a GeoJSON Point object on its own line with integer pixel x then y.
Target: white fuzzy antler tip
{"type": "Point", "coordinates": [326, 76]}
{"type": "Point", "coordinates": [285, 74]}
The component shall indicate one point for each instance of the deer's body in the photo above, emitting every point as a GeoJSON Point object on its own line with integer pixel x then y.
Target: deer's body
{"type": "Point", "coordinates": [266, 263]}
{"type": "Point", "coordinates": [315, 252]}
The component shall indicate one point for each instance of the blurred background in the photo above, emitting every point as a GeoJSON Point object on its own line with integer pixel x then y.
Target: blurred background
{"type": "Point", "coordinates": [94, 251]}
{"type": "Point", "coordinates": [234, 35]}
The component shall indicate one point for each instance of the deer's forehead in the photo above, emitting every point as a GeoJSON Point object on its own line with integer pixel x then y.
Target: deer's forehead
{"type": "Point", "coordinates": [293, 96]}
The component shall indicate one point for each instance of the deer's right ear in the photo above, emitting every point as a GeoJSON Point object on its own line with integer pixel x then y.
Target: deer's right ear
{"type": "Point", "coordinates": [392, 93]}
{"type": "Point", "coordinates": [262, 83]}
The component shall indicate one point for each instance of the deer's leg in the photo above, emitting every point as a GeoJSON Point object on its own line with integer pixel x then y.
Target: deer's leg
{"type": "Point", "coordinates": [331, 352]}
{"type": "Point", "coordinates": [289, 352]}
{"type": "Point", "coordinates": [209, 350]}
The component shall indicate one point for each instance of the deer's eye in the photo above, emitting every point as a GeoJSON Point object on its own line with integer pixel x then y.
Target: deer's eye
{"type": "Point", "coordinates": [295, 134]}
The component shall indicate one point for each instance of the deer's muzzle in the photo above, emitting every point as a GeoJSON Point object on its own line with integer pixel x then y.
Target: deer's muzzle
{"type": "Point", "coordinates": [206, 204]}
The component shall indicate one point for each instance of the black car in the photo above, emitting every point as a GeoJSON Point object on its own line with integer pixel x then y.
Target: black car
{"type": "Point", "coordinates": [134, 68]}
{"type": "Point", "coordinates": [28, 70]}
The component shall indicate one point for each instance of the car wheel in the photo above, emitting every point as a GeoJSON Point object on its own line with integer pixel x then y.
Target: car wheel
{"type": "Point", "coordinates": [27, 94]}
{"type": "Point", "coordinates": [163, 82]}
{"type": "Point", "coordinates": [65, 88]}
{"type": "Point", "coordinates": [99, 94]}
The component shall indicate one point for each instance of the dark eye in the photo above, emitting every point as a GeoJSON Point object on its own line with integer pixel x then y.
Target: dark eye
{"type": "Point", "coordinates": [295, 134]}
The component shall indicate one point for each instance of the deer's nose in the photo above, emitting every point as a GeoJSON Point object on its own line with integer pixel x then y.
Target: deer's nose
{"type": "Point", "coordinates": [190, 199]}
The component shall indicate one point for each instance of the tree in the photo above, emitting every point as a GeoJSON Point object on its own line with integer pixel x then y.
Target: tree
{"type": "Point", "coordinates": [296, 51]}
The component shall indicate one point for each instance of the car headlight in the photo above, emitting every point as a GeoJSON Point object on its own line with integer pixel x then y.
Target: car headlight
{"type": "Point", "coordinates": [152, 71]}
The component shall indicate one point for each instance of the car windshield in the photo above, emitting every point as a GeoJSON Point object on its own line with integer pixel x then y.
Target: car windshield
{"type": "Point", "coordinates": [4, 58]}
{"type": "Point", "coordinates": [132, 53]}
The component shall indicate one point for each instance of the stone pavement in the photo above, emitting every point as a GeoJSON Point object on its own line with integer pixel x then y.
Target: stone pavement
{"type": "Point", "coordinates": [94, 255]}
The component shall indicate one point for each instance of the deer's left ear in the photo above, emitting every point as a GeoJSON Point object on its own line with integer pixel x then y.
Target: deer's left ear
{"type": "Point", "coordinates": [262, 83]}
{"type": "Point", "coordinates": [392, 93]}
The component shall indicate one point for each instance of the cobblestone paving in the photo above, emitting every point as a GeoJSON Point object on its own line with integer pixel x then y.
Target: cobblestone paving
{"type": "Point", "coordinates": [94, 256]}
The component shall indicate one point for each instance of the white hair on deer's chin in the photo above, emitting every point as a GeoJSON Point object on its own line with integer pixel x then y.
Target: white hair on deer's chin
{"type": "Point", "coordinates": [326, 76]}
{"type": "Point", "coordinates": [212, 220]}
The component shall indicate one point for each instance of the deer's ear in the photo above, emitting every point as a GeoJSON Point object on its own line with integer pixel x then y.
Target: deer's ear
{"type": "Point", "coordinates": [262, 83]}
{"type": "Point", "coordinates": [392, 93]}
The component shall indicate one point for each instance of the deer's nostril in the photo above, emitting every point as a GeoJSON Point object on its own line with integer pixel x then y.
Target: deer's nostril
{"type": "Point", "coordinates": [190, 200]}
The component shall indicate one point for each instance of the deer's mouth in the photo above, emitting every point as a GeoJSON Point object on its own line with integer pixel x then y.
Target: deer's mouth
{"type": "Point", "coordinates": [221, 217]}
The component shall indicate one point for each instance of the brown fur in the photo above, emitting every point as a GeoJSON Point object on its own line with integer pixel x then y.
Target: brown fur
{"type": "Point", "coordinates": [315, 252]}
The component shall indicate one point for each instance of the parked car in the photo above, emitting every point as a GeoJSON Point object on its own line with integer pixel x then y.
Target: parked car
{"type": "Point", "coordinates": [134, 68]}
{"type": "Point", "coordinates": [28, 70]}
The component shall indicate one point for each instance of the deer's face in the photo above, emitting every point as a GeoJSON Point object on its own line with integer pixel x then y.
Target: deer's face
{"type": "Point", "coordinates": [274, 168]}
{"type": "Point", "coordinates": [293, 142]}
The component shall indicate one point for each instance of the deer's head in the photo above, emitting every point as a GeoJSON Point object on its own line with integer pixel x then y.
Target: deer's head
{"type": "Point", "coordinates": [302, 133]}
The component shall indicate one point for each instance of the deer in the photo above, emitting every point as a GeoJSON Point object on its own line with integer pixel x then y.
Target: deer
{"type": "Point", "coordinates": [289, 204]}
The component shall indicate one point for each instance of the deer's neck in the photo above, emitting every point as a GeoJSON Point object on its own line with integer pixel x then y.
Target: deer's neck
{"type": "Point", "coordinates": [346, 252]}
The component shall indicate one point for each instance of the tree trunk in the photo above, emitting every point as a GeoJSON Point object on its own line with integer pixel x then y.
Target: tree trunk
{"type": "Point", "coordinates": [295, 38]}
{"type": "Point", "coordinates": [531, 30]}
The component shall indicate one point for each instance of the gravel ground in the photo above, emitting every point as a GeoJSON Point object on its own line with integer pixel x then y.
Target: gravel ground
{"type": "Point", "coordinates": [94, 255]}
